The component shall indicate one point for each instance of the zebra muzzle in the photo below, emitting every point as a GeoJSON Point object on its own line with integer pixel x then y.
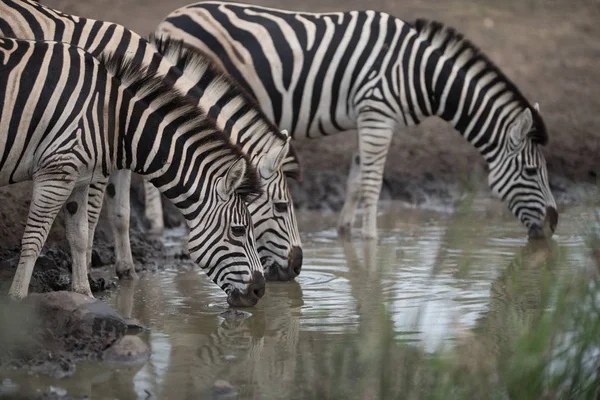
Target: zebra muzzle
{"type": "Point", "coordinates": [275, 272]}
{"type": "Point", "coordinates": [254, 292]}
{"type": "Point", "coordinates": [547, 230]}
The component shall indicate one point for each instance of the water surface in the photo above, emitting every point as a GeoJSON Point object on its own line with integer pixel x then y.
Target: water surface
{"type": "Point", "coordinates": [433, 278]}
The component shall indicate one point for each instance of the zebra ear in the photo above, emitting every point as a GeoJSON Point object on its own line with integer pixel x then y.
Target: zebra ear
{"type": "Point", "coordinates": [273, 160]}
{"type": "Point", "coordinates": [537, 107]}
{"type": "Point", "coordinates": [233, 178]}
{"type": "Point", "coordinates": [521, 126]}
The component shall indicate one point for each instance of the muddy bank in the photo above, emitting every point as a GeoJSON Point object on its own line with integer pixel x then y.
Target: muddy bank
{"type": "Point", "coordinates": [62, 329]}
{"type": "Point", "coordinates": [53, 268]}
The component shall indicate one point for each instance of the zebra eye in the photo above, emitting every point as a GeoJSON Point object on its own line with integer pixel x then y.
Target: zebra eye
{"type": "Point", "coordinates": [238, 231]}
{"type": "Point", "coordinates": [281, 207]}
{"type": "Point", "coordinates": [530, 172]}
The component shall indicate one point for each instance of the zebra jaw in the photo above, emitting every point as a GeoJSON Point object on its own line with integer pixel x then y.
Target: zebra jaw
{"type": "Point", "coordinates": [547, 230]}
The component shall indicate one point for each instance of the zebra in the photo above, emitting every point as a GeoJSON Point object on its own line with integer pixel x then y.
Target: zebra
{"type": "Point", "coordinates": [320, 74]}
{"type": "Point", "coordinates": [239, 116]}
{"type": "Point", "coordinates": [68, 119]}
{"type": "Point", "coordinates": [276, 228]}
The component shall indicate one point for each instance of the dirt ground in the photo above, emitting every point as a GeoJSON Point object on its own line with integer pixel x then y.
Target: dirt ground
{"type": "Point", "coordinates": [550, 48]}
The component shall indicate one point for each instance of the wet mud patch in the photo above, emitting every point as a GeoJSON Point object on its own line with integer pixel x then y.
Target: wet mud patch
{"type": "Point", "coordinates": [62, 328]}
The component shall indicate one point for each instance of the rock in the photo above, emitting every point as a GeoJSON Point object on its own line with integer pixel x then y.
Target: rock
{"type": "Point", "coordinates": [128, 350]}
{"type": "Point", "coordinates": [55, 367]}
{"type": "Point", "coordinates": [134, 326]}
{"type": "Point", "coordinates": [61, 328]}
{"type": "Point", "coordinates": [76, 323]}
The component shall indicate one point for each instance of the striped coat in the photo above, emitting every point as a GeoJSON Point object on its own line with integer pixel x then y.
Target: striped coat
{"type": "Point", "coordinates": [320, 74]}
{"type": "Point", "coordinates": [68, 120]}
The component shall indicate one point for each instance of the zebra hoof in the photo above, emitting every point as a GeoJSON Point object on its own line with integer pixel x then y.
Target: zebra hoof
{"type": "Point", "coordinates": [156, 230]}
{"type": "Point", "coordinates": [370, 236]}
{"type": "Point", "coordinates": [84, 291]}
{"type": "Point", "coordinates": [345, 230]}
{"type": "Point", "coordinates": [127, 274]}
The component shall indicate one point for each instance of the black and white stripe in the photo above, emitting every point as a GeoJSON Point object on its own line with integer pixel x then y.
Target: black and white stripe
{"type": "Point", "coordinates": [68, 120]}
{"type": "Point", "coordinates": [237, 114]}
{"type": "Point", "coordinates": [319, 74]}
{"type": "Point", "coordinates": [276, 229]}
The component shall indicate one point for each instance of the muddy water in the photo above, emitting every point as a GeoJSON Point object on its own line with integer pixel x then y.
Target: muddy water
{"type": "Point", "coordinates": [434, 277]}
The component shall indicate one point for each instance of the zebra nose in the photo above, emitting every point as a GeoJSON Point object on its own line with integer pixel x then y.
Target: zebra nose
{"type": "Point", "coordinates": [256, 287]}
{"type": "Point", "coordinates": [253, 293]}
{"type": "Point", "coordinates": [295, 261]}
{"type": "Point", "coordinates": [552, 218]}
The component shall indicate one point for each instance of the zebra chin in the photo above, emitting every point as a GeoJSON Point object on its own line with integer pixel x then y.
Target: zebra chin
{"type": "Point", "coordinates": [547, 229]}
{"type": "Point", "coordinates": [275, 272]}
{"type": "Point", "coordinates": [255, 290]}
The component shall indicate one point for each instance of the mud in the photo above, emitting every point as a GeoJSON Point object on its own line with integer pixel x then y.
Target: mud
{"type": "Point", "coordinates": [53, 268]}
{"type": "Point", "coordinates": [63, 327]}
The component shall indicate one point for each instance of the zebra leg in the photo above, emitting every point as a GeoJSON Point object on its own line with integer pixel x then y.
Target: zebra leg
{"type": "Point", "coordinates": [375, 135]}
{"type": "Point", "coordinates": [353, 185]}
{"type": "Point", "coordinates": [48, 197]}
{"type": "Point", "coordinates": [153, 209]}
{"type": "Point", "coordinates": [94, 207]}
{"type": "Point", "coordinates": [76, 225]}
{"type": "Point", "coordinates": [118, 214]}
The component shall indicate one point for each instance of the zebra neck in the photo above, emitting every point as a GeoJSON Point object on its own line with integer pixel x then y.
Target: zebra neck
{"type": "Point", "coordinates": [473, 105]}
{"type": "Point", "coordinates": [236, 116]}
{"type": "Point", "coordinates": [148, 134]}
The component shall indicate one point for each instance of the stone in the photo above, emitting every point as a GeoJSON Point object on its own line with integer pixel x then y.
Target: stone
{"type": "Point", "coordinates": [127, 350]}
{"type": "Point", "coordinates": [134, 326]}
{"type": "Point", "coordinates": [76, 323]}
{"type": "Point", "coordinates": [60, 329]}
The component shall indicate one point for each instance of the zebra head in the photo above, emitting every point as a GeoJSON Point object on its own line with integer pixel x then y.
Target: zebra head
{"type": "Point", "coordinates": [273, 216]}
{"type": "Point", "coordinates": [520, 178]}
{"type": "Point", "coordinates": [222, 240]}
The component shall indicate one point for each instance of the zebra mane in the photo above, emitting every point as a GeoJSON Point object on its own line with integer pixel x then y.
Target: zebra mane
{"type": "Point", "coordinates": [453, 44]}
{"type": "Point", "coordinates": [194, 62]}
{"type": "Point", "coordinates": [146, 85]}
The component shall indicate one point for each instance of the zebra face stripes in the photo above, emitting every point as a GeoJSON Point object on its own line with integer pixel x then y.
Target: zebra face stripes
{"type": "Point", "coordinates": [222, 240]}
{"type": "Point", "coordinates": [195, 165]}
{"type": "Point", "coordinates": [274, 219]}
{"type": "Point", "coordinates": [520, 178]}
{"type": "Point", "coordinates": [497, 119]}
{"type": "Point", "coordinates": [271, 152]}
